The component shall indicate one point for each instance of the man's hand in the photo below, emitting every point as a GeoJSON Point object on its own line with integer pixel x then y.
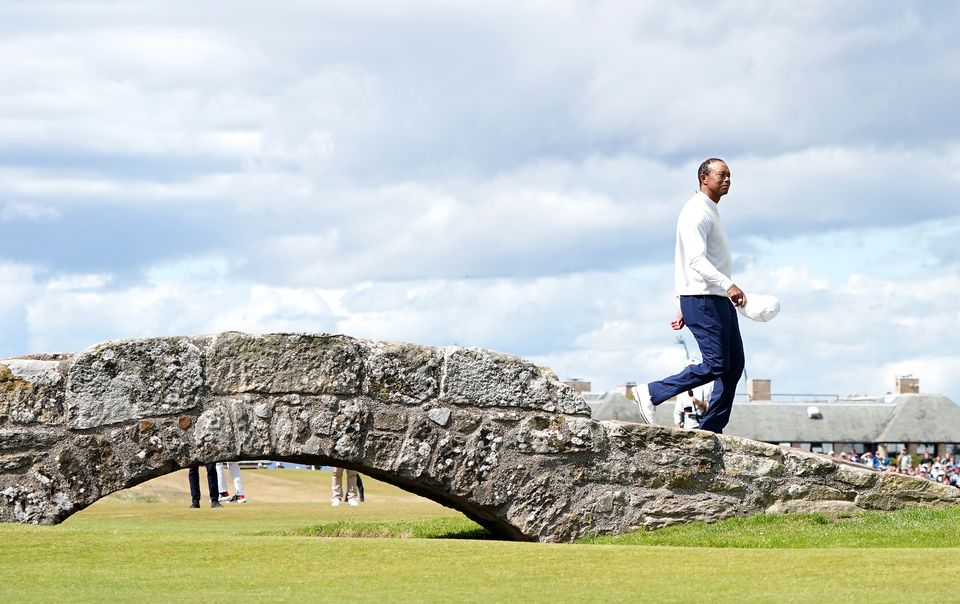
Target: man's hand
{"type": "Point", "coordinates": [737, 296]}
{"type": "Point", "coordinates": [678, 322]}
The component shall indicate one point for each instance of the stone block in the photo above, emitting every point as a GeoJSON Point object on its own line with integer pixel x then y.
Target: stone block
{"type": "Point", "coordinates": [239, 363]}
{"type": "Point", "coordinates": [484, 378]}
{"type": "Point", "coordinates": [390, 420]}
{"type": "Point", "coordinates": [811, 492]}
{"type": "Point", "coordinates": [440, 416]}
{"type": "Point", "coordinates": [808, 464]}
{"type": "Point", "coordinates": [915, 489]}
{"type": "Point", "coordinates": [739, 464]}
{"type": "Point", "coordinates": [878, 501]}
{"type": "Point", "coordinates": [127, 380]}
{"type": "Point", "coordinates": [31, 391]}
{"type": "Point", "coordinates": [15, 463]}
{"type": "Point", "coordinates": [402, 373]}
{"type": "Point", "coordinates": [559, 434]}
{"type": "Point", "coordinates": [801, 506]}
{"type": "Point", "coordinates": [856, 476]}
{"type": "Point", "coordinates": [22, 440]}
{"type": "Point", "coordinates": [737, 444]}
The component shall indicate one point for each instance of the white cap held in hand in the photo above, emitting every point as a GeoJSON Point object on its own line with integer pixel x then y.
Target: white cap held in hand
{"type": "Point", "coordinates": [760, 307]}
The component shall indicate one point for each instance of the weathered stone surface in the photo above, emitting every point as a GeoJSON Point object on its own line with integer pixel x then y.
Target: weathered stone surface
{"type": "Point", "coordinates": [284, 363]}
{"type": "Point", "coordinates": [489, 379]}
{"type": "Point", "coordinates": [31, 391]}
{"type": "Point", "coordinates": [489, 434]}
{"type": "Point", "coordinates": [120, 381]}
{"type": "Point", "coordinates": [403, 373]}
{"type": "Point", "coordinates": [809, 507]}
{"type": "Point", "coordinates": [441, 417]}
{"type": "Point", "coordinates": [808, 465]}
{"type": "Point", "coordinates": [878, 501]}
{"type": "Point", "coordinates": [36, 372]}
{"type": "Point", "coordinates": [857, 476]}
{"type": "Point", "coordinates": [558, 434]}
{"type": "Point", "coordinates": [28, 440]}
{"type": "Point", "coordinates": [13, 463]}
{"type": "Point", "coordinates": [812, 492]}
{"type": "Point", "coordinates": [741, 464]}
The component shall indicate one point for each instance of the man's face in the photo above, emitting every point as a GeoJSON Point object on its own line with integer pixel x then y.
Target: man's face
{"type": "Point", "coordinates": [717, 181]}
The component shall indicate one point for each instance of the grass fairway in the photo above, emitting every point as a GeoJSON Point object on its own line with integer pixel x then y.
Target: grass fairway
{"type": "Point", "coordinates": [144, 545]}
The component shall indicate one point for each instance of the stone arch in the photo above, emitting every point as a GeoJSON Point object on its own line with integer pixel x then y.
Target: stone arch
{"type": "Point", "coordinates": [488, 434]}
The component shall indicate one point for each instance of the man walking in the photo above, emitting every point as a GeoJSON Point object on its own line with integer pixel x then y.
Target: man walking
{"type": "Point", "coordinates": [708, 298]}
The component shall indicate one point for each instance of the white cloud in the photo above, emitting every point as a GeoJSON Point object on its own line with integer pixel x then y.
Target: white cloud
{"type": "Point", "coordinates": [605, 327]}
{"type": "Point", "coordinates": [191, 297]}
{"type": "Point", "coordinates": [16, 211]}
{"type": "Point", "coordinates": [77, 282]}
{"type": "Point", "coordinates": [500, 174]}
{"type": "Point", "coordinates": [17, 283]}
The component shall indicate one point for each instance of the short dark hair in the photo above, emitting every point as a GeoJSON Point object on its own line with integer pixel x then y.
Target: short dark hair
{"type": "Point", "coordinates": [704, 168]}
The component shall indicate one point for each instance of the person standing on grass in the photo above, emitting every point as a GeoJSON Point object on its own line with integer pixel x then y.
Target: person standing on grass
{"type": "Point", "coordinates": [708, 301]}
{"type": "Point", "coordinates": [193, 477]}
{"type": "Point", "coordinates": [238, 494]}
{"type": "Point", "coordinates": [352, 493]}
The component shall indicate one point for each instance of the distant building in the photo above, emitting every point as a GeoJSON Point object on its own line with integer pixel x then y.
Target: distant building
{"type": "Point", "coordinates": [917, 422]}
{"type": "Point", "coordinates": [579, 385]}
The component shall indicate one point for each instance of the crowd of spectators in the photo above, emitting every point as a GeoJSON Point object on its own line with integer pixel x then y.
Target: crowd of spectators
{"type": "Point", "coordinates": [938, 469]}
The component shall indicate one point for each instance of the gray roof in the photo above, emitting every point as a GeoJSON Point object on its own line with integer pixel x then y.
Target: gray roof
{"type": "Point", "coordinates": [613, 405]}
{"type": "Point", "coordinates": [895, 419]}
{"type": "Point", "coordinates": [935, 416]}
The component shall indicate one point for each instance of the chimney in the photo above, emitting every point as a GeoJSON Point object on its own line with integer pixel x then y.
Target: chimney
{"type": "Point", "coordinates": [758, 390]}
{"type": "Point", "coordinates": [626, 389]}
{"type": "Point", "coordinates": [579, 385]}
{"type": "Point", "coordinates": [907, 384]}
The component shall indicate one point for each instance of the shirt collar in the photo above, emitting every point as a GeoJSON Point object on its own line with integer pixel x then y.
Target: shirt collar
{"type": "Point", "coordinates": [709, 203]}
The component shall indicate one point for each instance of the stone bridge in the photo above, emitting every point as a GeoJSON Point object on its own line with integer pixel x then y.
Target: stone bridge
{"type": "Point", "coordinates": [488, 434]}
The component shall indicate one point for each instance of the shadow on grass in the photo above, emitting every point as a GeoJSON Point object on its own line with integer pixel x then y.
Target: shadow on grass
{"type": "Point", "coordinates": [433, 528]}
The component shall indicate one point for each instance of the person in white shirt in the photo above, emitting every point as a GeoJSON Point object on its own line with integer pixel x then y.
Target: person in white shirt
{"type": "Point", "coordinates": [691, 405]}
{"type": "Point", "coordinates": [708, 301]}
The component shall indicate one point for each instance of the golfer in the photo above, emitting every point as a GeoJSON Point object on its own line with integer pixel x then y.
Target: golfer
{"type": "Point", "coordinates": [708, 297]}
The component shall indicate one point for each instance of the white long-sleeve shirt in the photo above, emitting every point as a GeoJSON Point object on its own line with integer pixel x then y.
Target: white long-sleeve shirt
{"type": "Point", "coordinates": [703, 258]}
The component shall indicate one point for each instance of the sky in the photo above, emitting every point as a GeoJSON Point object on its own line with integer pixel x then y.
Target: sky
{"type": "Point", "coordinates": [497, 174]}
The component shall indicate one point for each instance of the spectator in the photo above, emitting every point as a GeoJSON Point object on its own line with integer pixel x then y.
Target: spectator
{"type": "Point", "coordinates": [193, 477]}
{"type": "Point", "coordinates": [904, 461]}
{"type": "Point", "coordinates": [869, 459]}
{"type": "Point", "coordinates": [884, 460]}
{"type": "Point", "coordinates": [238, 493]}
{"type": "Point", "coordinates": [688, 410]}
{"type": "Point", "coordinates": [941, 469]}
{"type": "Point", "coordinates": [936, 471]}
{"type": "Point", "coordinates": [352, 493]}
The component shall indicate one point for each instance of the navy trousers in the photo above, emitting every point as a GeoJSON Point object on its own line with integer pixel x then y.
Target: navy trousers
{"type": "Point", "coordinates": [713, 322]}
{"type": "Point", "coordinates": [193, 477]}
